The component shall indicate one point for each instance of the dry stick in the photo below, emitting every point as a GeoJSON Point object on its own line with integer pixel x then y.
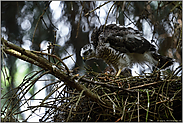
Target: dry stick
{"type": "Point", "coordinates": [139, 86]}
{"type": "Point", "coordinates": [155, 107]}
{"type": "Point", "coordinates": [167, 98]}
{"type": "Point", "coordinates": [131, 115]}
{"type": "Point", "coordinates": [90, 112]}
{"type": "Point", "coordinates": [106, 85]}
{"type": "Point", "coordinates": [60, 60]}
{"type": "Point", "coordinates": [44, 23]}
{"type": "Point", "coordinates": [79, 20]}
{"type": "Point", "coordinates": [114, 105]}
{"type": "Point", "coordinates": [164, 104]}
{"type": "Point", "coordinates": [51, 22]}
{"type": "Point", "coordinates": [53, 46]}
{"type": "Point", "coordinates": [27, 54]}
{"type": "Point", "coordinates": [78, 99]}
{"type": "Point", "coordinates": [23, 57]}
{"type": "Point", "coordinates": [27, 89]}
{"type": "Point", "coordinates": [4, 72]}
{"type": "Point", "coordinates": [31, 57]}
{"type": "Point", "coordinates": [146, 109]}
{"type": "Point", "coordinates": [172, 116]}
{"type": "Point", "coordinates": [129, 18]}
{"type": "Point", "coordinates": [39, 52]}
{"type": "Point", "coordinates": [96, 8]}
{"type": "Point", "coordinates": [148, 103]}
{"type": "Point", "coordinates": [38, 22]}
{"type": "Point", "coordinates": [108, 14]}
{"type": "Point", "coordinates": [116, 100]}
{"type": "Point", "coordinates": [124, 108]}
{"type": "Point", "coordinates": [71, 57]}
{"type": "Point", "coordinates": [138, 106]}
{"type": "Point", "coordinates": [70, 113]}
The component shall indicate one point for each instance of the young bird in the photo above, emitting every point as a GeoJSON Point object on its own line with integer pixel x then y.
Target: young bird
{"type": "Point", "coordinates": [122, 47]}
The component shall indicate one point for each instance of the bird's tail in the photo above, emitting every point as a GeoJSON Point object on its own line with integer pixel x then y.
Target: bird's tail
{"type": "Point", "coordinates": [163, 61]}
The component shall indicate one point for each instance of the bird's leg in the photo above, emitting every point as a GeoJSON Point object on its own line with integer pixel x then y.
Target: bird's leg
{"type": "Point", "coordinates": [119, 71]}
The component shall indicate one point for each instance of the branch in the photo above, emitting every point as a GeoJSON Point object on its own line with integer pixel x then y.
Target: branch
{"type": "Point", "coordinates": [69, 80]}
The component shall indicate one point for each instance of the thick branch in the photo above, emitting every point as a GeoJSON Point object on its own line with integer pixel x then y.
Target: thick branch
{"type": "Point", "coordinates": [32, 58]}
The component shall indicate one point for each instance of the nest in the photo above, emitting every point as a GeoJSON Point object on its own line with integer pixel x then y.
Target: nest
{"type": "Point", "coordinates": [148, 97]}
{"type": "Point", "coordinates": [96, 97]}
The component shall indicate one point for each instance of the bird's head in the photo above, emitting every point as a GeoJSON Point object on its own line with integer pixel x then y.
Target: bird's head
{"type": "Point", "coordinates": [88, 52]}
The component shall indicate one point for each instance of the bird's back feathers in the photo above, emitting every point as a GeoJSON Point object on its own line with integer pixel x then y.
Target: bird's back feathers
{"type": "Point", "coordinates": [125, 40]}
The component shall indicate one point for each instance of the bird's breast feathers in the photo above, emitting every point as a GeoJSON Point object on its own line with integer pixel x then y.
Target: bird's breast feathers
{"type": "Point", "coordinates": [118, 59]}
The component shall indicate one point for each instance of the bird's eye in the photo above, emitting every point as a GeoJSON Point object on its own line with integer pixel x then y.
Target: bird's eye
{"type": "Point", "coordinates": [84, 48]}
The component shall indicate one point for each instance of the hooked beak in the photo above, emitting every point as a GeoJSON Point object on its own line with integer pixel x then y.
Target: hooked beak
{"type": "Point", "coordinates": [84, 59]}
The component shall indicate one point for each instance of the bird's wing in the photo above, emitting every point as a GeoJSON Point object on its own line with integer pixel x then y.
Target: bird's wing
{"type": "Point", "coordinates": [129, 43]}
{"type": "Point", "coordinates": [122, 39]}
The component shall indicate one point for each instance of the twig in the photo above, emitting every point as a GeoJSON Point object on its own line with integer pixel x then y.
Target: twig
{"type": "Point", "coordinates": [79, 20]}
{"type": "Point", "coordinates": [41, 16]}
{"type": "Point", "coordinates": [96, 8]}
{"type": "Point", "coordinates": [146, 109]}
{"type": "Point", "coordinates": [108, 14]}
{"type": "Point", "coordinates": [89, 112]}
{"type": "Point", "coordinates": [69, 113]}
{"type": "Point", "coordinates": [172, 116]}
{"type": "Point", "coordinates": [138, 105]}
{"type": "Point", "coordinates": [114, 105]}
{"type": "Point", "coordinates": [140, 86]}
{"type": "Point", "coordinates": [106, 85]}
{"type": "Point", "coordinates": [148, 104]}
{"type": "Point", "coordinates": [79, 99]}
{"type": "Point", "coordinates": [124, 107]}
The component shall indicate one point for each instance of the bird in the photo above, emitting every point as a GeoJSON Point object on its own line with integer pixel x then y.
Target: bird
{"type": "Point", "coordinates": [121, 47]}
